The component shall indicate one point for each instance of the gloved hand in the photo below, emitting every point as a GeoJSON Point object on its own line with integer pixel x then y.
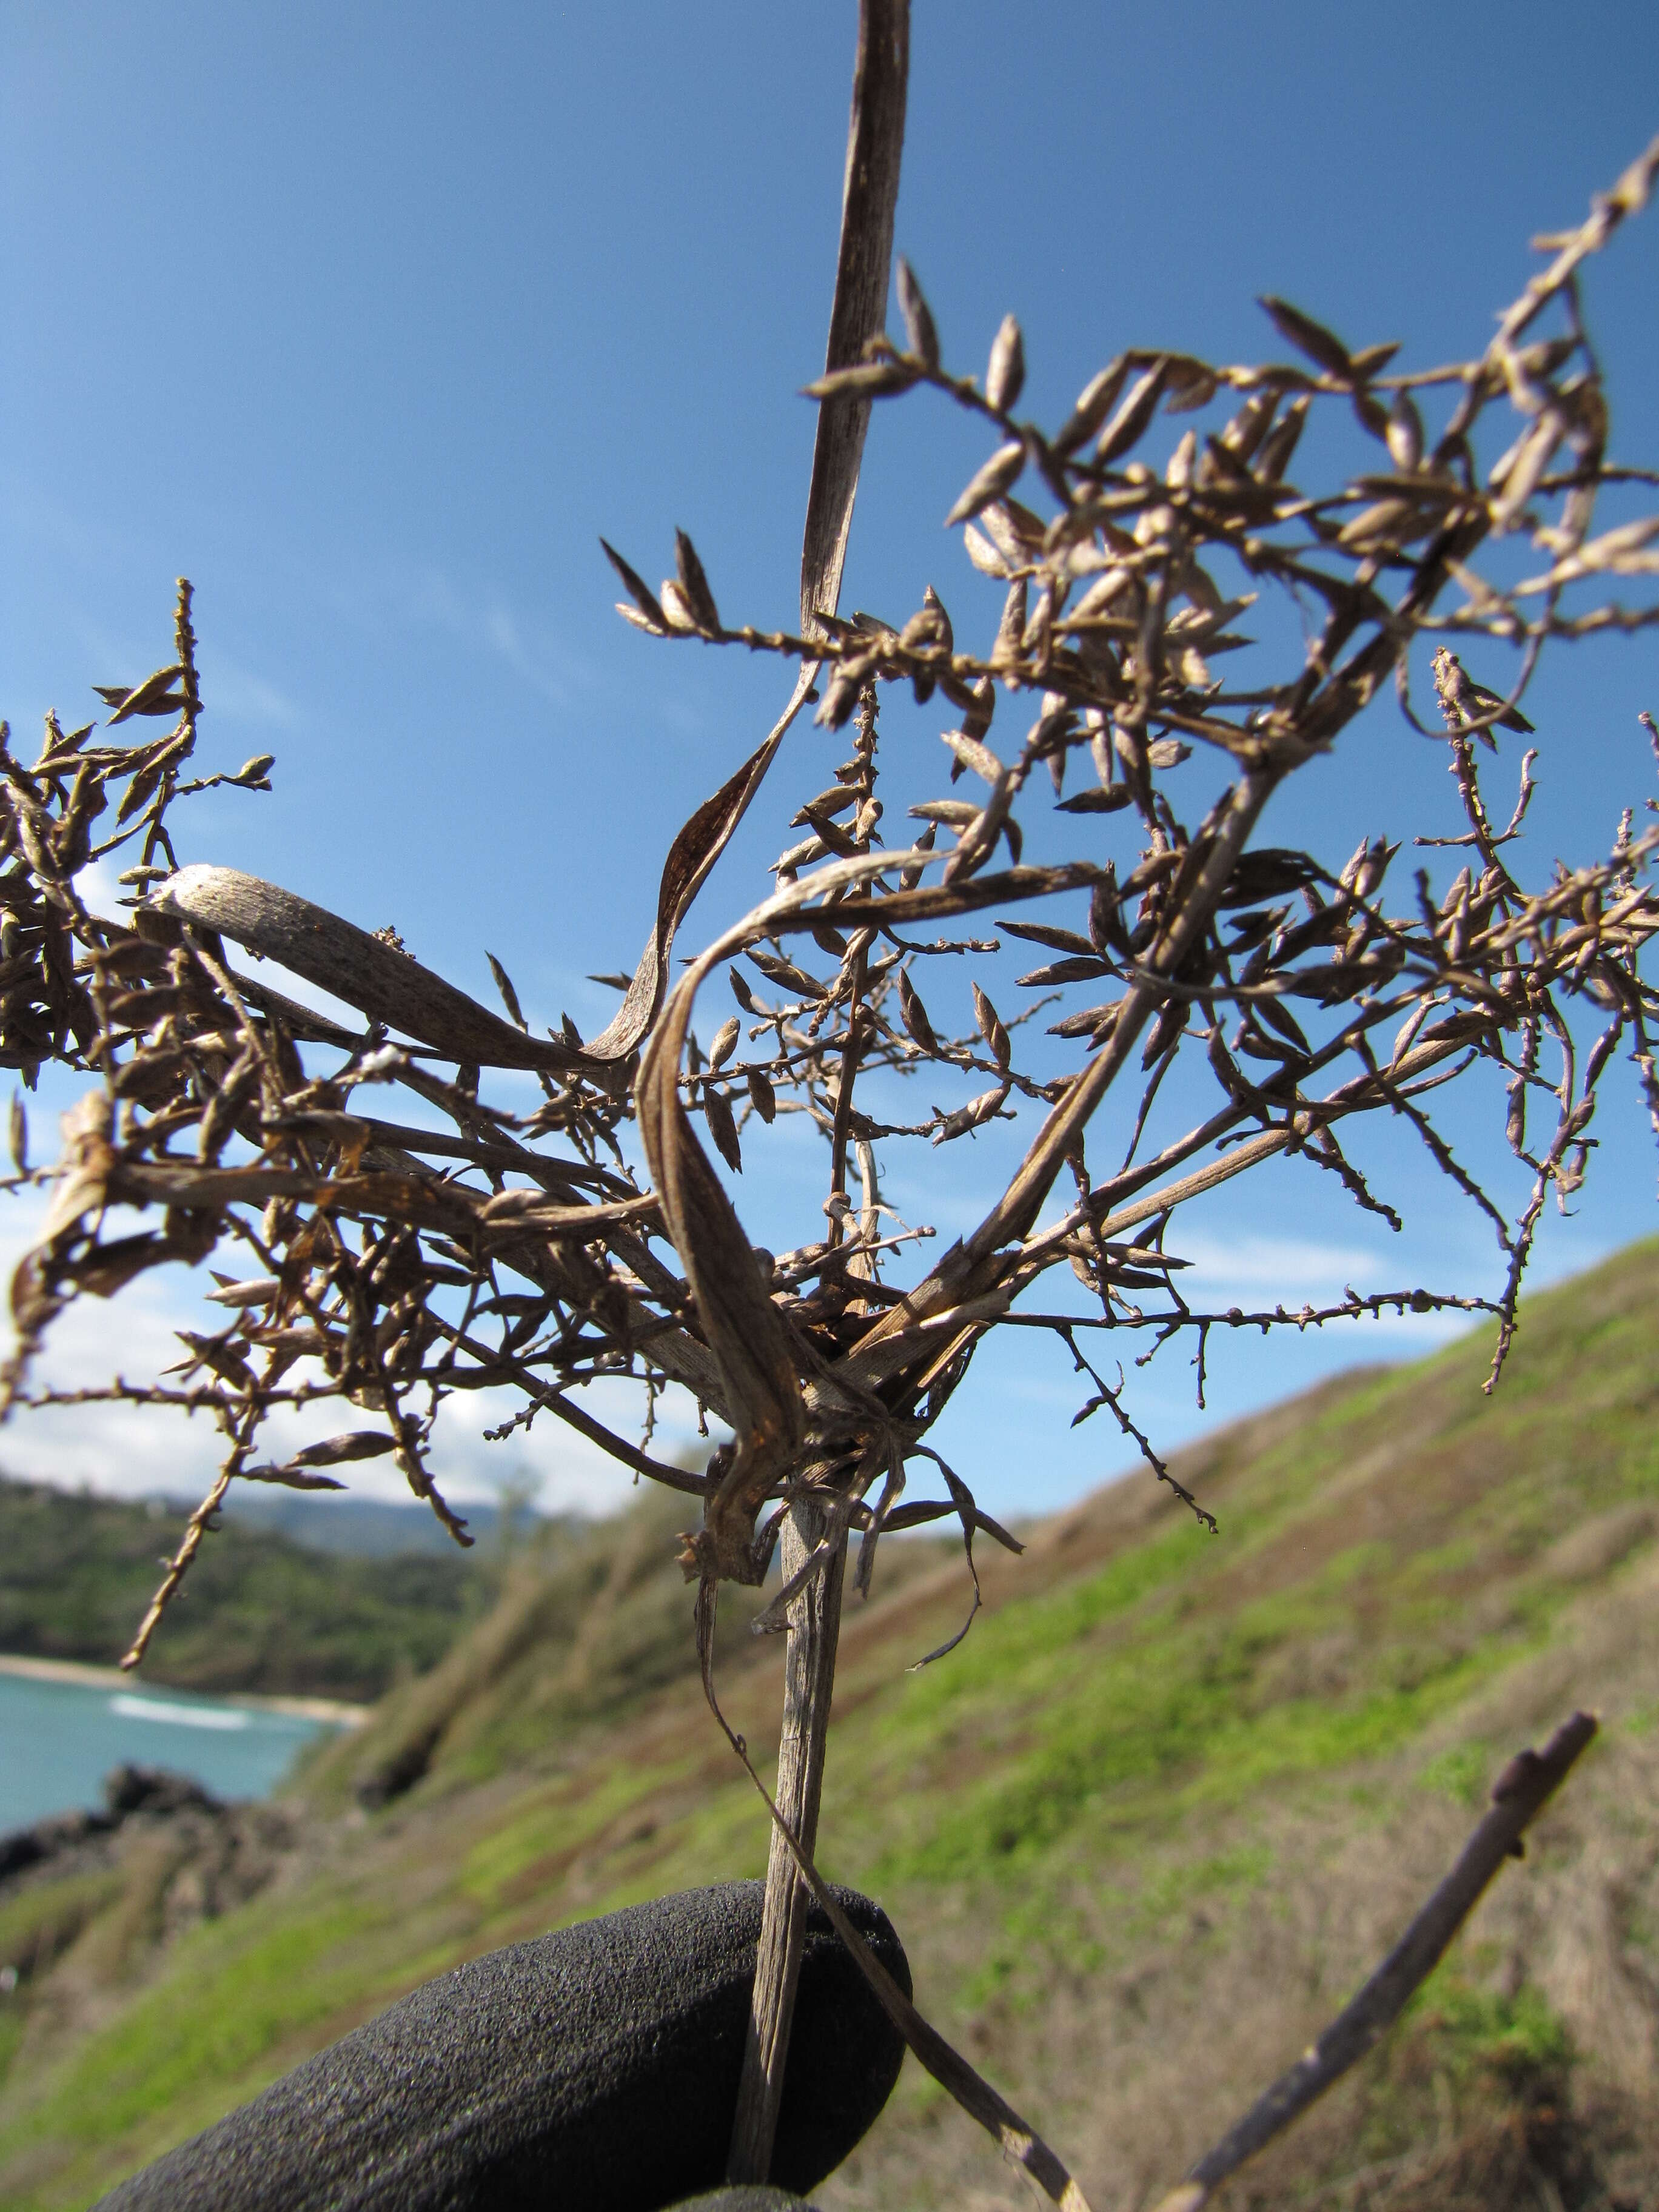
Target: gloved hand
{"type": "Point", "coordinates": [592, 2071]}
{"type": "Point", "coordinates": [749, 2197]}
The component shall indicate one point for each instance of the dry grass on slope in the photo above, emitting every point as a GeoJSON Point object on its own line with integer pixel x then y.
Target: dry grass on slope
{"type": "Point", "coordinates": [1142, 1832]}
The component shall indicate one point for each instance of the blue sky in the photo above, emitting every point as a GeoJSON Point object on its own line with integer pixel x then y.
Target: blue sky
{"type": "Point", "coordinates": [371, 318]}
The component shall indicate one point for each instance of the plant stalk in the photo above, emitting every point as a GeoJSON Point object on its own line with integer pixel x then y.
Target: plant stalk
{"type": "Point", "coordinates": [808, 1683]}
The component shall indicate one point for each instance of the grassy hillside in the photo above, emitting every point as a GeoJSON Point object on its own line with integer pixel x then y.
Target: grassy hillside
{"type": "Point", "coordinates": [1142, 1833]}
{"type": "Point", "coordinates": [260, 1612]}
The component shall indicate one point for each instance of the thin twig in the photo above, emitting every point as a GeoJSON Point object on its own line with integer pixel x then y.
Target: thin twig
{"type": "Point", "coordinates": [1519, 1795]}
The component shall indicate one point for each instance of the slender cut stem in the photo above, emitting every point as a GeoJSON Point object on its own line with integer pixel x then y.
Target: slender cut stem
{"type": "Point", "coordinates": [808, 1680]}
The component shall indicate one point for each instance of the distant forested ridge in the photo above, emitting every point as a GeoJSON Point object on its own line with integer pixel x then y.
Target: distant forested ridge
{"type": "Point", "coordinates": [260, 1613]}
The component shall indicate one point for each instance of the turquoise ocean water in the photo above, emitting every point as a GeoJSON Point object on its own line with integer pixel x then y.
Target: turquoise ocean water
{"type": "Point", "coordinates": [58, 1739]}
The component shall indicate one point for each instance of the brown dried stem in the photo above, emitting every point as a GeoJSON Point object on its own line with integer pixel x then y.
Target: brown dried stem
{"type": "Point", "coordinates": [808, 1685]}
{"type": "Point", "coordinates": [1520, 1794]}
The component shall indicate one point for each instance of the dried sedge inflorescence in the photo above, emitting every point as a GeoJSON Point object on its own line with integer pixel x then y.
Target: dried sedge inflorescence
{"type": "Point", "coordinates": [392, 1259]}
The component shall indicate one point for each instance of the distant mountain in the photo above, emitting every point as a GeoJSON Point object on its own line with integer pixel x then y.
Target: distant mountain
{"type": "Point", "coordinates": [366, 1527]}
{"type": "Point", "coordinates": [1142, 1832]}
{"type": "Point", "coordinates": [259, 1611]}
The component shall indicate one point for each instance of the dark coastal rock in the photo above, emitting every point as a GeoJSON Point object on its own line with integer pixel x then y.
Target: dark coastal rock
{"type": "Point", "coordinates": [593, 2070]}
{"type": "Point", "coordinates": [219, 1856]}
{"type": "Point", "coordinates": [127, 1789]}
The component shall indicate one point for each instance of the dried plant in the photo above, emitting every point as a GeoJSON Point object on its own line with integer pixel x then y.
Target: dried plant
{"type": "Point", "coordinates": [394, 1262]}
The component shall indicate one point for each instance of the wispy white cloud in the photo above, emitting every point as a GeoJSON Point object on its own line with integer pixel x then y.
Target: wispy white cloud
{"type": "Point", "coordinates": [241, 695]}
{"type": "Point", "coordinates": [1289, 1268]}
{"type": "Point", "coordinates": [483, 622]}
{"type": "Point", "coordinates": [132, 1451]}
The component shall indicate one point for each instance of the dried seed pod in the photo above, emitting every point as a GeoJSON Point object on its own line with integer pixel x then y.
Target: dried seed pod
{"type": "Point", "coordinates": [989, 1026]}
{"type": "Point", "coordinates": [154, 695]}
{"type": "Point", "coordinates": [1002, 469]}
{"type": "Point", "coordinates": [785, 974]}
{"type": "Point", "coordinates": [1312, 338]}
{"type": "Point", "coordinates": [693, 584]}
{"type": "Point", "coordinates": [1128, 425]}
{"type": "Point", "coordinates": [983, 555]}
{"type": "Point", "coordinates": [509, 996]}
{"type": "Point", "coordinates": [973, 1115]}
{"type": "Point", "coordinates": [913, 1015]}
{"type": "Point", "coordinates": [1005, 377]}
{"type": "Point", "coordinates": [864, 380]}
{"type": "Point", "coordinates": [1280, 443]}
{"type": "Point", "coordinates": [1099, 799]}
{"type": "Point", "coordinates": [722, 1127]}
{"type": "Point", "coordinates": [639, 590]}
{"type": "Point", "coordinates": [1095, 403]}
{"type": "Point", "coordinates": [918, 316]}
{"type": "Point", "coordinates": [1403, 435]}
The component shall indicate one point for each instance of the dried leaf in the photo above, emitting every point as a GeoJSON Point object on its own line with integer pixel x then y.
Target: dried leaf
{"type": "Point", "coordinates": [918, 316]}
{"type": "Point", "coordinates": [509, 996]}
{"type": "Point", "coordinates": [290, 1477]}
{"type": "Point", "coordinates": [1106, 930]}
{"type": "Point", "coordinates": [972, 754]}
{"type": "Point", "coordinates": [1129, 424]}
{"type": "Point", "coordinates": [1100, 799]}
{"type": "Point", "coordinates": [957, 813]}
{"type": "Point", "coordinates": [1081, 968]}
{"type": "Point", "coordinates": [637, 589]}
{"type": "Point", "coordinates": [864, 379]}
{"type": "Point", "coordinates": [1005, 377]}
{"type": "Point", "coordinates": [154, 695]}
{"type": "Point", "coordinates": [228, 1364]}
{"type": "Point", "coordinates": [1280, 443]}
{"type": "Point", "coordinates": [1312, 338]}
{"type": "Point", "coordinates": [695, 583]}
{"type": "Point", "coordinates": [1002, 469]}
{"type": "Point", "coordinates": [1267, 872]}
{"type": "Point", "coordinates": [690, 857]}
{"type": "Point", "coordinates": [983, 555]}
{"type": "Point", "coordinates": [1060, 940]}
{"type": "Point", "coordinates": [353, 965]}
{"type": "Point", "coordinates": [786, 974]}
{"type": "Point", "coordinates": [973, 1115]}
{"type": "Point", "coordinates": [722, 1127]}
{"type": "Point", "coordinates": [1404, 433]}
{"type": "Point", "coordinates": [989, 1026]}
{"type": "Point", "coordinates": [334, 1451]}
{"type": "Point", "coordinates": [914, 1014]}
{"type": "Point", "coordinates": [1095, 1022]}
{"type": "Point", "coordinates": [1095, 402]}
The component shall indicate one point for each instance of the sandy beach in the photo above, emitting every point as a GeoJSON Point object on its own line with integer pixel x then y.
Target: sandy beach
{"type": "Point", "coordinates": [334, 1711]}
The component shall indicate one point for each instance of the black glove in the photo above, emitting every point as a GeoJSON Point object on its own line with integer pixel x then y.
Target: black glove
{"type": "Point", "coordinates": [753, 2196]}
{"type": "Point", "coordinates": [593, 2070]}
